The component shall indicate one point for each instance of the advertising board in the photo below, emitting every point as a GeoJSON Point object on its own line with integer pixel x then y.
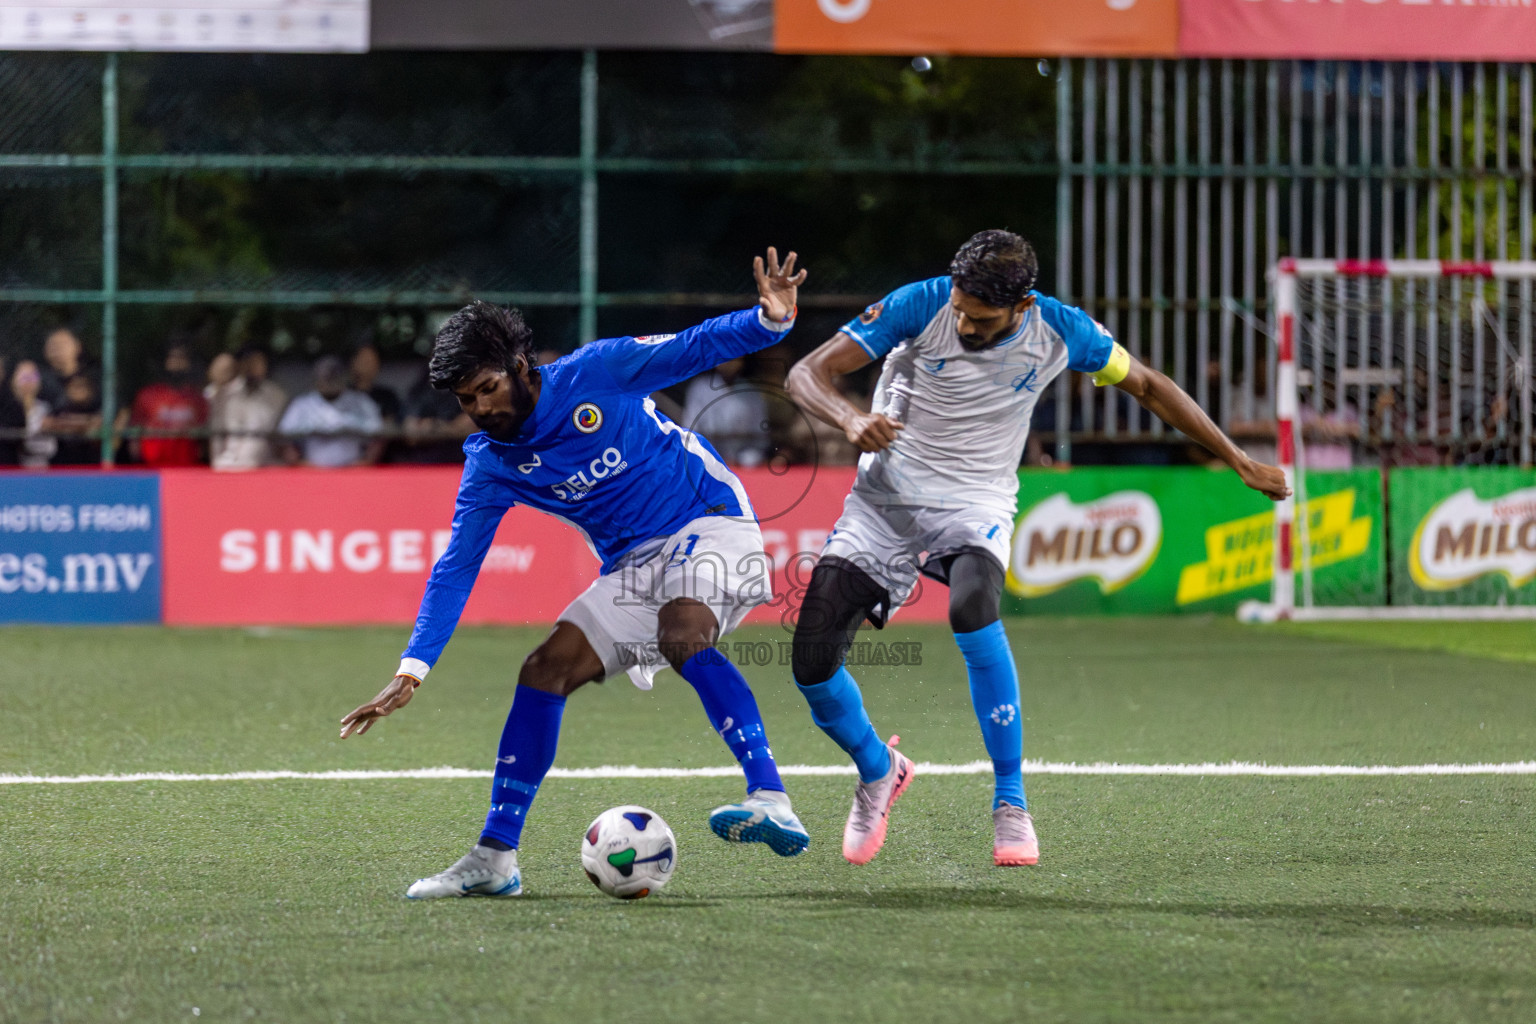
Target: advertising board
{"type": "Point", "coordinates": [80, 547]}
{"type": "Point", "coordinates": [1141, 28]}
{"type": "Point", "coordinates": [1154, 541]}
{"type": "Point", "coordinates": [1360, 29]}
{"type": "Point", "coordinates": [298, 547]}
{"type": "Point", "coordinates": [1463, 535]}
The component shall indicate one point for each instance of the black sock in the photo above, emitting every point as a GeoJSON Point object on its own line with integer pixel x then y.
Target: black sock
{"type": "Point", "coordinates": [494, 843]}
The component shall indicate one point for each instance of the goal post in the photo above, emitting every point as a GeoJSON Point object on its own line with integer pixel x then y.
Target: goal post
{"type": "Point", "coordinates": [1405, 362]}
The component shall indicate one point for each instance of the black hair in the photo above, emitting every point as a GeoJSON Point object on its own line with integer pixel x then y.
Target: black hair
{"type": "Point", "coordinates": [478, 337]}
{"type": "Point", "coordinates": [997, 267]}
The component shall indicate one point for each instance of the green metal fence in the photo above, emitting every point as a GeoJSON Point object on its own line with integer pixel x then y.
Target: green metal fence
{"type": "Point", "coordinates": [623, 192]}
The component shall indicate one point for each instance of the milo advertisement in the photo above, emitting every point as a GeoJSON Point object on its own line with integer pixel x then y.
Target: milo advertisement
{"type": "Point", "coordinates": [1158, 540]}
{"type": "Point", "coordinates": [1464, 535]}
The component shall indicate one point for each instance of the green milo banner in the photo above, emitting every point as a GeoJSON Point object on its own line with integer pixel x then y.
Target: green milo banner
{"type": "Point", "coordinates": [1464, 535]}
{"type": "Point", "coordinates": [1158, 540]}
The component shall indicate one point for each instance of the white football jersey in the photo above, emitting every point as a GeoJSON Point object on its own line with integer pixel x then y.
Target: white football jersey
{"type": "Point", "coordinates": [966, 413]}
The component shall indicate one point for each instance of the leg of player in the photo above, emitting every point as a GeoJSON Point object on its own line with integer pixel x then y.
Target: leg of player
{"type": "Point", "coordinates": [975, 589]}
{"type": "Point", "coordinates": [836, 602]}
{"type": "Point", "coordinates": [686, 633]}
{"type": "Point", "coordinates": [555, 669]}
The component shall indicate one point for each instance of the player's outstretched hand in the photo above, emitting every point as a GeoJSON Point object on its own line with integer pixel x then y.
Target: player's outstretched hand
{"type": "Point", "coordinates": [872, 431]}
{"type": "Point", "coordinates": [777, 286]}
{"type": "Point", "coordinates": [1267, 480]}
{"type": "Point", "coordinates": [392, 698]}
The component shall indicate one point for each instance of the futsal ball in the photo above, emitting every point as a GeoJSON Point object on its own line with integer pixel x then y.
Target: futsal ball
{"type": "Point", "coordinates": [629, 852]}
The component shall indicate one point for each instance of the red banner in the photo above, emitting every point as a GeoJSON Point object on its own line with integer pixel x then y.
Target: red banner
{"type": "Point", "coordinates": [310, 547]}
{"type": "Point", "coordinates": [1365, 29]}
{"type": "Point", "coordinates": [1139, 28]}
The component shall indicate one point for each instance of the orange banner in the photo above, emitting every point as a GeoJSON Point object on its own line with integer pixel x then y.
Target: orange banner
{"type": "Point", "coordinates": [1135, 28]}
{"type": "Point", "coordinates": [1365, 29]}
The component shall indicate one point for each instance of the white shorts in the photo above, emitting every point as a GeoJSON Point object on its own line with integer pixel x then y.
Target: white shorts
{"type": "Point", "coordinates": [717, 560]}
{"type": "Point", "coordinates": [896, 543]}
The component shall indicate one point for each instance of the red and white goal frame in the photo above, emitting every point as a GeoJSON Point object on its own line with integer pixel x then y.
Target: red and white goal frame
{"type": "Point", "coordinates": [1287, 273]}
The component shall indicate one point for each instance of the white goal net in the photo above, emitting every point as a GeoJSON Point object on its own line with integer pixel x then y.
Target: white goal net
{"type": "Point", "coordinates": [1385, 365]}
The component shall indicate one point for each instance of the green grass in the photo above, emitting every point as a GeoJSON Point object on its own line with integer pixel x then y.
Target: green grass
{"type": "Point", "coordinates": [1504, 641]}
{"type": "Point", "coordinates": [1157, 899]}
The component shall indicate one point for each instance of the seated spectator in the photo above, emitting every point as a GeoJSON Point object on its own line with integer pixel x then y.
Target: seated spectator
{"type": "Point", "coordinates": [172, 403]}
{"type": "Point", "coordinates": [76, 422]}
{"type": "Point", "coordinates": [13, 421]}
{"type": "Point", "coordinates": [224, 368]}
{"type": "Point", "coordinates": [332, 424]}
{"type": "Point", "coordinates": [435, 426]}
{"type": "Point", "coordinates": [38, 447]}
{"type": "Point", "coordinates": [365, 378]}
{"type": "Point", "coordinates": [244, 413]}
{"type": "Point", "coordinates": [730, 412]}
{"type": "Point", "coordinates": [63, 358]}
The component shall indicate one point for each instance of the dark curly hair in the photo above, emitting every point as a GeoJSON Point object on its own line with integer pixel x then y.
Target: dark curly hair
{"type": "Point", "coordinates": [480, 336]}
{"type": "Point", "coordinates": [997, 267]}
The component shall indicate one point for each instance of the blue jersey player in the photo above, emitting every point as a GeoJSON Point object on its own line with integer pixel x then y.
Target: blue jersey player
{"type": "Point", "coordinates": [966, 355]}
{"type": "Point", "coordinates": [682, 556]}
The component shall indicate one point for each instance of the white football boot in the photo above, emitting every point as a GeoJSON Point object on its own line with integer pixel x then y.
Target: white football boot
{"type": "Point", "coordinates": [763, 817]}
{"type": "Point", "coordinates": [480, 872]}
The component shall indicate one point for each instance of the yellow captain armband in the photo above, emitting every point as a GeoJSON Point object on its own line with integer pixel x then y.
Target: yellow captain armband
{"type": "Point", "coordinates": [1116, 369]}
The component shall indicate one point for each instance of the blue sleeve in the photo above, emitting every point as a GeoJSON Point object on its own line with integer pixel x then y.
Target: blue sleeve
{"type": "Point", "coordinates": [453, 577]}
{"type": "Point", "coordinates": [642, 365]}
{"type": "Point", "coordinates": [900, 315]}
{"type": "Point", "coordinates": [1089, 344]}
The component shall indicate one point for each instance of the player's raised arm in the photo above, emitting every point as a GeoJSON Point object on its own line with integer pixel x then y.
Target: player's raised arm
{"type": "Point", "coordinates": [644, 365]}
{"type": "Point", "coordinates": [810, 384]}
{"type": "Point", "coordinates": [1158, 394]}
{"type": "Point", "coordinates": [777, 286]}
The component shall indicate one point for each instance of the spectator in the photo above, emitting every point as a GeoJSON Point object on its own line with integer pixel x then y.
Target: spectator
{"type": "Point", "coordinates": [221, 371]}
{"type": "Point", "coordinates": [244, 413]}
{"type": "Point", "coordinates": [332, 424]}
{"type": "Point", "coordinates": [62, 359]}
{"type": "Point", "coordinates": [13, 422]}
{"type": "Point", "coordinates": [435, 426]}
{"type": "Point", "coordinates": [730, 412]}
{"type": "Point", "coordinates": [365, 378]}
{"type": "Point", "coordinates": [76, 422]}
{"type": "Point", "coordinates": [38, 447]}
{"type": "Point", "coordinates": [172, 403]}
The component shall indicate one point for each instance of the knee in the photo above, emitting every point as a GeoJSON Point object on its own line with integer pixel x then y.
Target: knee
{"type": "Point", "coordinates": [971, 615]}
{"type": "Point", "coordinates": [543, 671]}
{"type": "Point", "coordinates": [975, 592]}
{"type": "Point", "coordinates": [815, 657]}
{"type": "Point", "coordinates": [679, 644]}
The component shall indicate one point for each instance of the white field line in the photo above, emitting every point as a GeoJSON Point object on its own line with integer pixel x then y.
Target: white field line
{"type": "Point", "coordinates": [923, 768]}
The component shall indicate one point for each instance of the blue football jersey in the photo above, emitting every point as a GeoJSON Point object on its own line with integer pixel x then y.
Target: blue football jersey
{"type": "Point", "coordinates": [598, 454]}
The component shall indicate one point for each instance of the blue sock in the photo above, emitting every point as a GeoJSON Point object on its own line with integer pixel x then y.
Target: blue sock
{"type": "Point", "coordinates": [838, 707]}
{"type": "Point", "coordinates": [995, 696]}
{"type": "Point", "coordinates": [732, 710]}
{"type": "Point", "coordinates": [524, 757]}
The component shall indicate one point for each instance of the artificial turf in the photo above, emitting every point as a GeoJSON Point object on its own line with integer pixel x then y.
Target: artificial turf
{"type": "Point", "coordinates": [1192, 898]}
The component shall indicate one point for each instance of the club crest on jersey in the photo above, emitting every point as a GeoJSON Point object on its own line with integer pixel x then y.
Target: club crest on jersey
{"type": "Point", "coordinates": [587, 417]}
{"type": "Point", "coordinates": [872, 313]}
{"type": "Point", "coordinates": [654, 339]}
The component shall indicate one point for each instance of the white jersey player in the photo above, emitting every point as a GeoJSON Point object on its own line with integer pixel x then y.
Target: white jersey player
{"type": "Point", "coordinates": [966, 357]}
